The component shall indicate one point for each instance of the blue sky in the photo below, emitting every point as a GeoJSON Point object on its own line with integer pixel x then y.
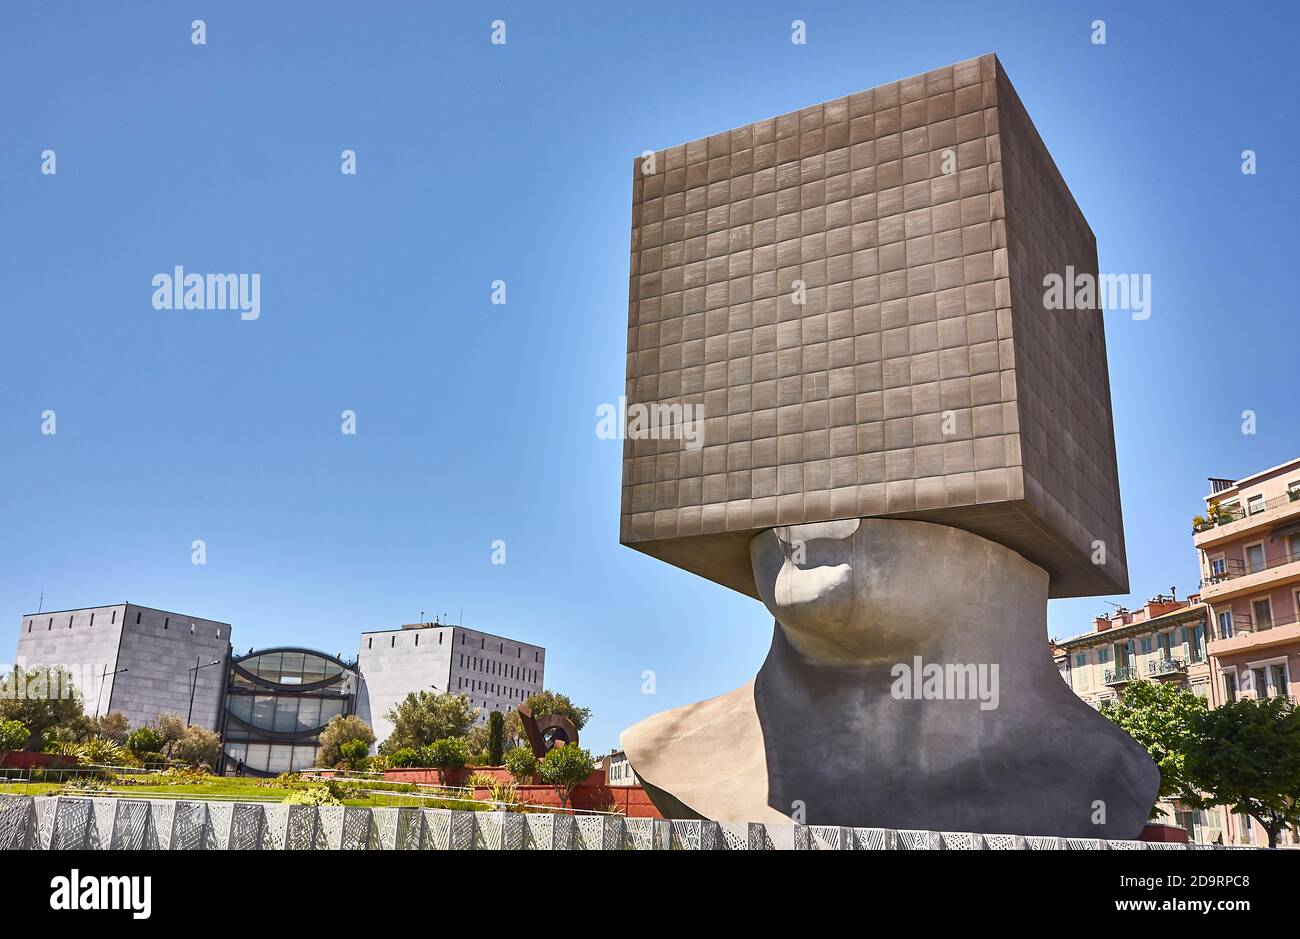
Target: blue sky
{"type": "Point", "coordinates": [476, 422]}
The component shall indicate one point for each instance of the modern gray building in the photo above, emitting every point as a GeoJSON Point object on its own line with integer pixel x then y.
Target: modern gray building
{"type": "Point", "coordinates": [493, 672]}
{"type": "Point", "coordinates": [139, 662]}
{"type": "Point", "coordinates": [134, 660]}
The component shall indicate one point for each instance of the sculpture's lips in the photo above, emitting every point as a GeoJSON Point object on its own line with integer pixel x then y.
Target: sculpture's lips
{"type": "Point", "coordinates": [800, 585]}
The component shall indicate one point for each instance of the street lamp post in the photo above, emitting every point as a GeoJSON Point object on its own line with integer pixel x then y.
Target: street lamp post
{"type": "Point", "coordinates": [194, 682]}
{"type": "Point", "coordinates": [100, 695]}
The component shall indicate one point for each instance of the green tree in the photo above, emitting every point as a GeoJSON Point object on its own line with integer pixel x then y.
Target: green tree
{"type": "Point", "coordinates": [114, 727]}
{"type": "Point", "coordinates": [41, 698]}
{"type": "Point", "coordinates": [477, 739]}
{"type": "Point", "coordinates": [342, 729]}
{"type": "Point", "coordinates": [446, 754]}
{"type": "Point", "coordinates": [425, 716]}
{"type": "Point", "coordinates": [197, 746]}
{"type": "Point", "coordinates": [545, 702]}
{"type": "Point", "coordinates": [496, 738]}
{"type": "Point", "coordinates": [13, 735]}
{"type": "Point", "coordinates": [564, 768]}
{"type": "Point", "coordinates": [1162, 718]}
{"type": "Point", "coordinates": [1247, 755]}
{"type": "Point", "coordinates": [144, 740]}
{"type": "Point", "coordinates": [522, 764]}
{"type": "Point", "coordinates": [170, 727]}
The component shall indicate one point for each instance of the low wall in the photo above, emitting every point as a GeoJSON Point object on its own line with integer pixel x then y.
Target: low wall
{"type": "Point", "coordinates": [23, 759]}
{"type": "Point", "coordinates": [1166, 833]}
{"type": "Point", "coordinates": [55, 823]}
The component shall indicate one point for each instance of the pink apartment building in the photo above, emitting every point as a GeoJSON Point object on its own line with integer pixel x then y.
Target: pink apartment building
{"type": "Point", "coordinates": [1239, 637]}
{"type": "Point", "coordinates": [1249, 547]}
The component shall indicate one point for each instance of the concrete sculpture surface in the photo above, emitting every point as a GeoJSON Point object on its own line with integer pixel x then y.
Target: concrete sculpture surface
{"type": "Point", "coordinates": [839, 343]}
{"type": "Point", "coordinates": [899, 691]}
{"type": "Point", "coordinates": [849, 299]}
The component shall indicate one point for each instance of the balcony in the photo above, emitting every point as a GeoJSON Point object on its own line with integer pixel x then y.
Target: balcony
{"type": "Point", "coordinates": [1165, 666]}
{"type": "Point", "coordinates": [1225, 525]}
{"type": "Point", "coordinates": [1121, 675]}
{"type": "Point", "coordinates": [1249, 636]}
{"type": "Point", "coordinates": [1238, 578]}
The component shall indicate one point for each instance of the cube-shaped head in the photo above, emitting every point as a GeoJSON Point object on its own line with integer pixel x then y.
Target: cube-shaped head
{"type": "Point", "coordinates": [844, 312]}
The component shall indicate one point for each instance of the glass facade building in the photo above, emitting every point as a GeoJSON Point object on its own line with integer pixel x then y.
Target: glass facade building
{"type": "Point", "coordinates": [277, 703]}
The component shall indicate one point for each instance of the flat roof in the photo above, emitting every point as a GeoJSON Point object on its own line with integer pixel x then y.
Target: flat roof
{"type": "Point", "coordinates": [413, 626]}
{"type": "Point", "coordinates": [1246, 480]}
{"type": "Point", "coordinates": [138, 606]}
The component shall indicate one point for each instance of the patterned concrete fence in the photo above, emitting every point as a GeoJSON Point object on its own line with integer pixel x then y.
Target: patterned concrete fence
{"type": "Point", "coordinates": [64, 822]}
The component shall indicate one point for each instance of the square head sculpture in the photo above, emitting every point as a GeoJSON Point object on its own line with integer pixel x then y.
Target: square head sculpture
{"type": "Point", "coordinates": [852, 297]}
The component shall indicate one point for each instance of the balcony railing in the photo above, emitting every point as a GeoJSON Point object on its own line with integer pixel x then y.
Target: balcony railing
{"type": "Point", "coordinates": [1233, 568]}
{"type": "Point", "coordinates": [1166, 665]}
{"type": "Point", "coordinates": [1243, 625]}
{"type": "Point", "coordinates": [1119, 676]}
{"type": "Point", "coordinates": [1237, 513]}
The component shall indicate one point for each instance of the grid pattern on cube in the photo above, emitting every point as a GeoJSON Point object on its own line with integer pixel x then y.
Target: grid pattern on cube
{"type": "Point", "coordinates": [835, 405]}
{"type": "Point", "coordinates": [1066, 436]}
{"type": "Point", "coordinates": [840, 307]}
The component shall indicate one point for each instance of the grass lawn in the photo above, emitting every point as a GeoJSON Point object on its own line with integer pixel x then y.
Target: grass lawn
{"type": "Point", "coordinates": [233, 788]}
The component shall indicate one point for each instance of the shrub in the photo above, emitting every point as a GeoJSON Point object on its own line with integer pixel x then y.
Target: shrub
{"type": "Point", "coordinates": [446, 754]}
{"type": "Point", "coordinates": [485, 780]}
{"type": "Point", "coordinates": [102, 751]}
{"type": "Point", "coordinates": [144, 740]}
{"type": "Point", "coordinates": [522, 764]}
{"type": "Point", "coordinates": [354, 754]}
{"type": "Point", "coordinates": [341, 730]}
{"type": "Point", "coordinates": [313, 795]}
{"type": "Point", "coordinates": [405, 757]}
{"type": "Point", "coordinates": [507, 794]}
{"type": "Point", "coordinates": [565, 767]}
{"type": "Point", "coordinates": [88, 784]}
{"type": "Point", "coordinates": [13, 735]}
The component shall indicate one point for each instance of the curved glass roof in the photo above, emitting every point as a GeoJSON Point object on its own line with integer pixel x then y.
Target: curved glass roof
{"type": "Point", "coordinates": [289, 666]}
